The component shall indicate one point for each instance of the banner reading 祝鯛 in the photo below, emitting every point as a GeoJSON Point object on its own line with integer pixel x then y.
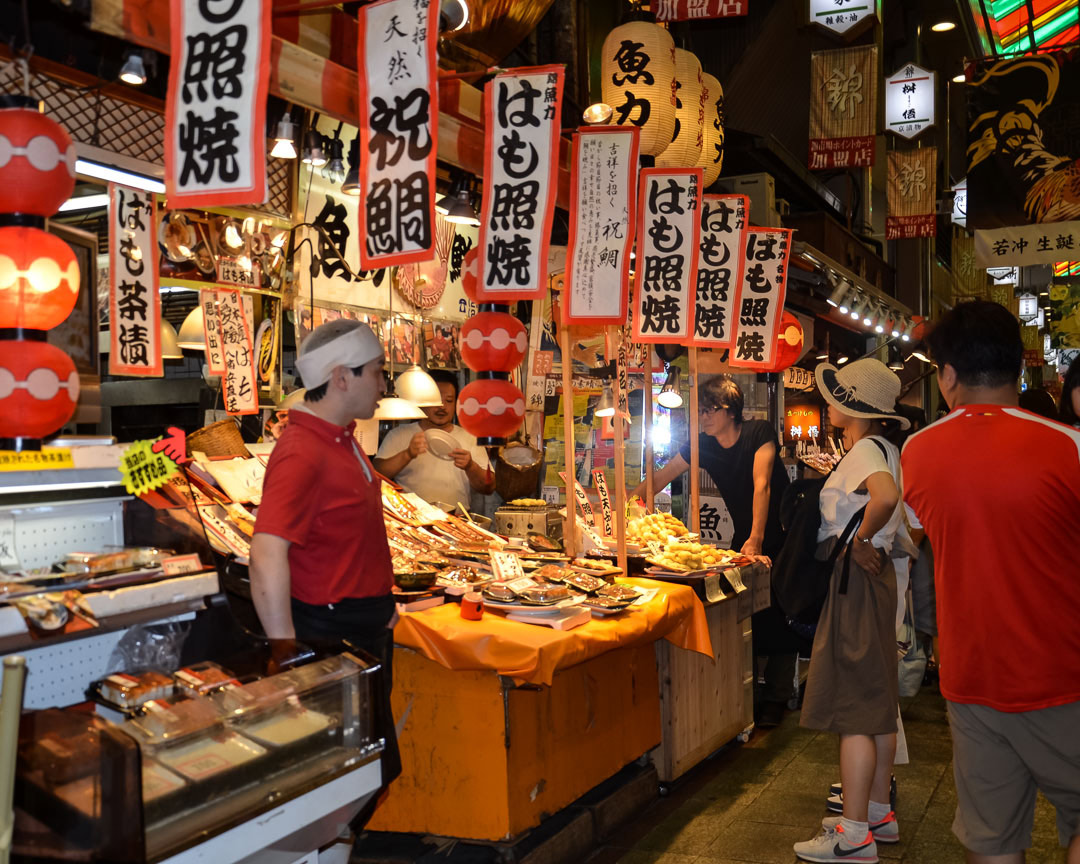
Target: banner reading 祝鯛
{"type": "Point", "coordinates": [398, 128]}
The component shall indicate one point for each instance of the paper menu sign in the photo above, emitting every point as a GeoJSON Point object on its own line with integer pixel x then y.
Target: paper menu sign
{"type": "Point", "coordinates": [582, 499]}
{"type": "Point", "coordinates": [506, 566]}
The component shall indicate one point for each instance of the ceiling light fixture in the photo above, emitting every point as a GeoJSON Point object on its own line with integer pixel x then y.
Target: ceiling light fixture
{"type": "Point", "coordinates": [284, 145]}
{"type": "Point", "coordinates": [670, 397]}
{"type": "Point", "coordinates": [117, 175]}
{"type": "Point", "coordinates": [416, 385]}
{"type": "Point", "coordinates": [334, 169]}
{"type": "Point", "coordinates": [192, 335]}
{"type": "Point", "coordinates": [351, 185]}
{"type": "Point", "coordinates": [461, 212]}
{"type": "Point", "coordinates": [943, 26]}
{"type": "Point", "coordinates": [314, 155]}
{"type": "Point", "coordinates": [841, 360]}
{"type": "Point", "coordinates": [598, 114]}
{"type": "Point", "coordinates": [959, 79]}
{"type": "Point", "coordinates": [838, 293]}
{"type": "Point", "coordinates": [395, 408]}
{"type": "Point", "coordinates": [85, 202]}
{"type": "Point", "coordinates": [133, 71]}
{"type": "Point", "coordinates": [606, 406]}
{"type": "Point", "coordinates": [170, 350]}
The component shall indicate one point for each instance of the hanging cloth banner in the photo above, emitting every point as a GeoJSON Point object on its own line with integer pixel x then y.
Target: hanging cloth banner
{"type": "Point", "coordinates": [667, 254]}
{"type": "Point", "coordinates": [760, 301]}
{"type": "Point", "coordinates": [720, 267]}
{"type": "Point", "coordinates": [693, 10]}
{"type": "Point", "coordinates": [522, 116]}
{"type": "Point", "coordinates": [239, 386]}
{"type": "Point", "coordinates": [605, 502]}
{"type": "Point", "coordinates": [622, 375]}
{"type": "Point", "coordinates": [1022, 245]}
{"type": "Point", "coordinates": [843, 107]}
{"type": "Point", "coordinates": [398, 65]}
{"type": "Point", "coordinates": [215, 115]}
{"type": "Point", "coordinates": [215, 352]}
{"type": "Point", "coordinates": [603, 188]}
{"type": "Point", "coordinates": [134, 299]}
{"type": "Point", "coordinates": [912, 194]}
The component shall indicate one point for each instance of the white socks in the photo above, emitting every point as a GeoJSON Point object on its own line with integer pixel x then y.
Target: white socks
{"type": "Point", "coordinates": [854, 831]}
{"type": "Point", "coordinates": [877, 812]}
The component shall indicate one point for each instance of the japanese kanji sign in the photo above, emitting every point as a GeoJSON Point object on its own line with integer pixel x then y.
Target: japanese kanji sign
{"type": "Point", "coordinates": [603, 188]}
{"type": "Point", "coordinates": [239, 385]}
{"type": "Point", "coordinates": [1022, 245]}
{"type": "Point", "coordinates": [959, 204]}
{"type": "Point", "coordinates": [134, 300]}
{"type": "Point", "coordinates": [398, 125]}
{"type": "Point", "coordinates": [841, 16]}
{"type": "Point", "coordinates": [909, 100]}
{"type": "Point", "coordinates": [761, 297]}
{"type": "Point", "coordinates": [215, 116]}
{"type": "Point", "coordinates": [720, 263]}
{"type": "Point", "coordinates": [215, 351]}
{"type": "Point", "coordinates": [912, 194]}
{"type": "Point", "coordinates": [521, 161]}
{"type": "Point", "coordinates": [843, 107]}
{"type": "Point", "coordinates": [689, 10]}
{"type": "Point", "coordinates": [667, 254]}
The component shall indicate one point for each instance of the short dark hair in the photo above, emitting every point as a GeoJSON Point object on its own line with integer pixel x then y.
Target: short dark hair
{"type": "Point", "coordinates": [981, 341]}
{"type": "Point", "coordinates": [1038, 401]}
{"type": "Point", "coordinates": [317, 393]}
{"type": "Point", "coordinates": [722, 392]}
{"type": "Point", "coordinates": [441, 376]}
{"type": "Point", "coordinates": [1072, 381]}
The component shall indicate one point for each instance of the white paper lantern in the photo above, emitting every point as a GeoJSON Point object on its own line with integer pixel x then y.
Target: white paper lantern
{"type": "Point", "coordinates": [712, 153]}
{"type": "Point", "coordinates": [638, 74]}
{"type": "Point", "coordinates": [686, 141]}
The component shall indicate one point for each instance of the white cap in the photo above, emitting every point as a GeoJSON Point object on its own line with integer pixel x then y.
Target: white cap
{"type": "Point", "coordinates": [353, 348]}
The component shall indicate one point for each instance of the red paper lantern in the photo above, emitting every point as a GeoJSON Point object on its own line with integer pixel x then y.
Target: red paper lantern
{"type": "Point", "coordinates": [470, 271]}
{"type": "Point", "coordinates": [39, 279]}
{"type": "Point", "coordinates": [39, 389]}
{"type": "Point", "coordinates": [789, 342]}
{"type": "Point", "coordinates": [491, 408]}
{"type": "Point", "coordinates": [493, 341]}
{"type": "Point", "coordinates": [37, 163]}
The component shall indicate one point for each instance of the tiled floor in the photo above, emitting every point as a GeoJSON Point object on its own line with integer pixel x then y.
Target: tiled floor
{"type": "Point", "coordinates": [751, 802]}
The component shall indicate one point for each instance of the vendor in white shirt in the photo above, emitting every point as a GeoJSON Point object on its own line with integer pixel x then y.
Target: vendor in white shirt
{"type": "Point", "coordinates": [404, 455]}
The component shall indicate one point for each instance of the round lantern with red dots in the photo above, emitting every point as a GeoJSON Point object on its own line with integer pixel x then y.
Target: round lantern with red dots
{"type": "Point", "coordinates": [37, 161]}
{"type": "Point", "coordinates": [39, 279]}
{"type": "Point", "coordinates": [789, 343]}
{"type": "Point", "coordinates": [493, 341]}
{"type": "Point", "coordinates": [491, 409]}
{"type": "Point", "coordinates": [39, 389]}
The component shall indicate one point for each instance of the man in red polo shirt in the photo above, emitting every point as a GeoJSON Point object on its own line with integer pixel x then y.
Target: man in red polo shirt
{"type": "Point", "coordinates": [320, 563]}
{"type": "Point", "coordinates": [998, 492]}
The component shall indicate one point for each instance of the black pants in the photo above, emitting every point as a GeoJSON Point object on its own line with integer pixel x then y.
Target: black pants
{"type": "Point", "coordinates": [361, 621]}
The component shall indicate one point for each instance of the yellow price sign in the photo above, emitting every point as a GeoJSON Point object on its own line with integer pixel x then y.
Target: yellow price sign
{"type": "Point", "coordinates": [36, 460]}
{"type": "Point", "coordinates": [144, 470]}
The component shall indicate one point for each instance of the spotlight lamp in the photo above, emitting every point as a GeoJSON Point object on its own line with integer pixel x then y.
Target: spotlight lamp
{"type": "Point", "coordinates": [133, 71]}
{"type": "Point", "coordinates": [334, 169]}
{"type": "Point", "coordinates": [314, 155]}
{"type": "Point", "coordinates": [670, 397]}
{"type": "Point", "coordinates": [284, 145]}
{"type": "Point", "coordinates": [462, 212]}
{"type": "Point", "coordinates": [839, 291]}
{"type": "Point", "coordinates": [606, 405]}
{"type": "Point", "coordinates": [351, 185]}
{"type": "Point", "coordinates": [598, 114]}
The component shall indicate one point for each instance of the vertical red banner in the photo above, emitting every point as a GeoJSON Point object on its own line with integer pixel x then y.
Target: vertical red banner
{"type": "Point", "coordinates": [720, 267]}
{"type": "Point", "coordinates": [760, 300]}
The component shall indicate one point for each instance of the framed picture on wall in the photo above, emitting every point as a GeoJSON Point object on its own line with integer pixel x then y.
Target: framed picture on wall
{"type": "Point", "coordinates": [77, 335]}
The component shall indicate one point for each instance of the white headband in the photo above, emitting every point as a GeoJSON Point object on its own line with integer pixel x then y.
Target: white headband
{"type": "Point", "coordinates": [354, 348]}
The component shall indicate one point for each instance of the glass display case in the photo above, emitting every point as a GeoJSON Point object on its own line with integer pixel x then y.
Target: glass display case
{"type": "Point", "coordinates": [182, 769]}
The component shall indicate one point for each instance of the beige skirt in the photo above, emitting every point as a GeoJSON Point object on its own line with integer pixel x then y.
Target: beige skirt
{"type": "Point", "coordinates": [852, 686]}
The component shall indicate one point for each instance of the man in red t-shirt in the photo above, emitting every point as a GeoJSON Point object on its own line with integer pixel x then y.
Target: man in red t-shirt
{"type": "Point", "coordinates": [998, 491]}
{"type": "Point", "coordinates": [320, 563]}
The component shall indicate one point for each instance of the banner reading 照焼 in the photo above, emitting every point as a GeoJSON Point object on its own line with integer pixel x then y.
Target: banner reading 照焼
{"type": "Point", "coordinates": [760, 300]}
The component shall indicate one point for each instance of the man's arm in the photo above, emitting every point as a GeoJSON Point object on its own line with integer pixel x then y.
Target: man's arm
{"type": "Point", "coordinates": [763, 468]}
{"type": "Point", "coordinates": [663, 477]}
{"type": "Point", "coordinates": [481, 479]}
{"type": "Point", "coordinates": [391, 466]}
{"type": "Point", "coordinates": [271, 585]}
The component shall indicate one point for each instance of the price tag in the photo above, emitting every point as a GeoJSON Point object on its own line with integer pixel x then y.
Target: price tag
{"type": "Point", "coordinates": [36, 460]}
{"type": "Point", "coordinates": [178, 565]}
{"type": "Point", "coordinates": [550, 494]}
{"type": "Point", "coordinates": [231, 271]}
{"type": "Point", "coordinates": [506, 566]}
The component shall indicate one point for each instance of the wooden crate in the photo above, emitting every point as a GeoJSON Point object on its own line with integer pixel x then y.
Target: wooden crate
{"type": "Point", "coordinates": [701, 701]}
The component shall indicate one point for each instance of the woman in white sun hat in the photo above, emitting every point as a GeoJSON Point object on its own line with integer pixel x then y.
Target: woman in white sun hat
{"type": "Point", "coordinates": [852, 684]}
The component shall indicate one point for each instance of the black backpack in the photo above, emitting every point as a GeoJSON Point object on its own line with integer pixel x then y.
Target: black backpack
{"type": "Point", "coordinates": [800, 582]}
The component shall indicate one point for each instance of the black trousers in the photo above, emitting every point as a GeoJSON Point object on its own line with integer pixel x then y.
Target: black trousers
{"type": "Point", "coordinates": [361, 621]}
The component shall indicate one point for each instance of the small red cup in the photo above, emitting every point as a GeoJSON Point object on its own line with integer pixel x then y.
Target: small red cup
{"type": "Point", "coordinates": [472, 606]}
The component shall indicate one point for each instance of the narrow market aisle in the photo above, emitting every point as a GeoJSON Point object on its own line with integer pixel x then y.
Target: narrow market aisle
{"type": "Point", "coordinates": [752, 802]}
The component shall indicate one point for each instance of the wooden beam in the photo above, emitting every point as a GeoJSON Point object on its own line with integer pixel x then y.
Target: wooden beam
{"type": "Point", "coordinates": [695, 454]}
{"type": "Point", "coordinates": [647, 419]}
{"type": "Point", "coordinates": [569, 454]}
{"type": "Point", "coordinates": [619, 425]}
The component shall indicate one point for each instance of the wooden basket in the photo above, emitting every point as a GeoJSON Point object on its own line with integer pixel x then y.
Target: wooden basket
{"type": "Point", "coordinates": [517, 471]}
{"type": "Point", "coordinates": [218, 439]}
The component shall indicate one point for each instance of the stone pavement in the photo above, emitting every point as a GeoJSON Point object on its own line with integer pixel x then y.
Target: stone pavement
{"type": "Point", "coordinates": [750, 803]}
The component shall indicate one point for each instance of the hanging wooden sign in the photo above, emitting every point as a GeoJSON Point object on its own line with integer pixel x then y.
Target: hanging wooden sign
{"type": "Point", "coordinates": [215, 353]}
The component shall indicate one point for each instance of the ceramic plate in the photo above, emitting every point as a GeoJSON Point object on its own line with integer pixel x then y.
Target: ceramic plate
{"type": "Point", "coordinates": [441, 444]}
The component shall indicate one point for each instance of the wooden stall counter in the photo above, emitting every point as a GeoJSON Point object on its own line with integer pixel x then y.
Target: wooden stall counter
{"type": "Point", "coordinates": [504, 723]}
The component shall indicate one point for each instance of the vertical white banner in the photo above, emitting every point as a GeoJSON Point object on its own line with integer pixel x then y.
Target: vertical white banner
{"type": "Point", "coordinates": [603, 185]}
{"type": "Point", "coordinates": [667, 256]}
{"type": "Point", "coordinates": [761, 297]}
{"type": "Point", "coordinates": [215, 114]}
{"type": "Point", "coordinates": [398, 69]}
{"type": "Point", "coordinates": [239, 385]}
{"type": "Point", "coordinates": [720, 264]}
{"type": "Point", "coordinates": [522, 111]}
{"type": "Point", "coordinates": [134, 299]}
{"type": "Point", "coordinates": [215, 352]}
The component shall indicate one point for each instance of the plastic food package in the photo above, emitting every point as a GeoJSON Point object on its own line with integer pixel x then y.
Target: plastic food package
{"type": "Point", "coordinates": [202, 678]}
{"type": "Point", "coordinates": [101, 562]}
{"type": "Point", "coordinates": [129, 691]}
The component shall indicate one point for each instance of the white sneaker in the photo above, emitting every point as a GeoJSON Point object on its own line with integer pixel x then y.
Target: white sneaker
{"type": "Point", "coordinates": [832, 845]}
{"type": "Point", "coordinates": [885, 831]}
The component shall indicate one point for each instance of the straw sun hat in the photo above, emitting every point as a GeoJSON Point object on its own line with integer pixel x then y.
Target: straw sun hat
{"type": "Point", "coordinates": [866, 388]}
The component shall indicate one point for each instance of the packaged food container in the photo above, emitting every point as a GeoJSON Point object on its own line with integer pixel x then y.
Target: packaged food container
{"type": "Point", "coordinates": [125, 691]}
{"type": "Point", "coordinates": [202, 678]}
{"type": "Point", "coordinates": [99, 562]}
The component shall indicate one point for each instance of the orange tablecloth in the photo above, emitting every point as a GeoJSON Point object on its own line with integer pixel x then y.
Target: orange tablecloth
{"type": "Point", "coordinates": [534, 653]}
